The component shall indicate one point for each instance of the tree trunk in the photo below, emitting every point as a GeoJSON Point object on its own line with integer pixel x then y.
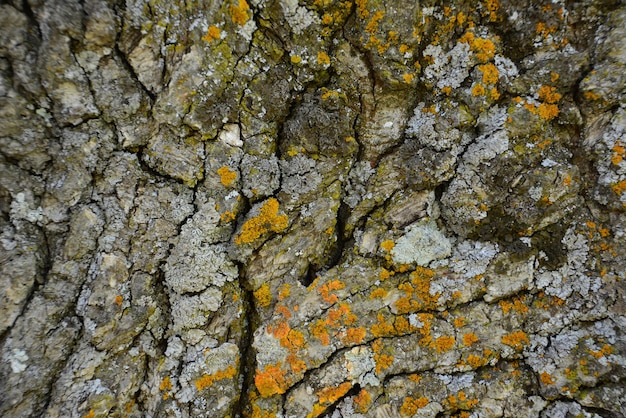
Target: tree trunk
{"type": "Point", "coordinates": [281, 208]}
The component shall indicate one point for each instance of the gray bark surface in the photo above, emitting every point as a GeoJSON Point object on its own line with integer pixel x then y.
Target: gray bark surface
{"type": "Point", "coordinates": [283, 208]}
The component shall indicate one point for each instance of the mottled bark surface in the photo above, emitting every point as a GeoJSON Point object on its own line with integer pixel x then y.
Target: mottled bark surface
{"type": "Point", "coordinates": [282, 208]}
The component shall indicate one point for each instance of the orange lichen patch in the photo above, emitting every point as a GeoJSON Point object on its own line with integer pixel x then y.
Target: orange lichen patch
{"type": "Point", "coordinates": [483, 48]}
{"type": "Point", "coordinates": [354, 336]}
{"type": "Point", "coordinates": [548, 94]}
{"type": "Point", "coordinates": [119, 299]}
{"type": "Point", "coordinates": [402, 325]}
{"type": "Point", "coordinates": [548, 111]}
{"type": "Point", "coordinates": [494, 93]}
{"type": "Point", "coordinates": [470, 338]}
{"type": "Point", "coordinates": [330, 395]}
{"type": "Point", "coordinates": [257, 412]}
{"type": "Point", "coordinates": [546, 379]}
{"type": "Point", "coordinates": [446, 90]}
{"type": "Point", "coordinates": [267, 219]}
{"type": "Point", "coordinates": [361, 8]}
{"type": "Point", "coordinates": [619, 187]}
{"type": "Point", "coordinates": [319, 331]}
{"type": "Point", "coordinates": [227, 176]}
{"type": "Point", "coordinates": [411, 405]}
{"type": "Point", "coordinates": [372, 25]}
{"type": "Point", "coordinates": [208, 379]}
{"type": "Point", "coordinates": [284, 292]}
{"type": "Point", "coordinates": [323, 58]}
{"type": "Point", "coordinates": [619, 152]}
{"type": "Point", "coordinates": [342, 313]}
{"type": "Point", "coordinates": [362, 401]}
{"type": "Point", "coordinates": [604, 351]}
{"type": "Point", "coordinates": [283, 310]}
{"type": "Point", "coordinates": [166, 384]}
{"type": "Point", "coordinates": [426, 320]}
{"type": "Point", "coordinates": [382, 328]}
{"type": "Point", "coordinates": [491, 7]}
{"type": "Point", "coordinates": [590, 95]}
{"type": "Point", "coordinates": [415, 378]}
{"type": "Point", "coordinates": [90, 414]}
{"type": "Point", "coordinates": [227, 217]}
{"type": "Point", "coordinates": [475, 361]}
{"type": "Point", "coordinates": [212, 34]}
{"type": "Point", "coordinates": [263, 295]}
{"type": "Point", "coordinates": [387, 245]}
{"type": "Point", "coordinates": [543, 30]}
{"type": "Point", "coordinates": [240, 13]}
{"type": "Point", "coordinates": [294, 341]}
{"type": "Point", "coordinates": [478, 90]}
{"type": "Point", "coordinates": [406, 304]}
{"type": "Point", "coordinates": [378, 293]}
{"type": "Point", "coordinates": [404, 48]}
{"type": "Point", "coordinates": [444, 343]}
{"type": "Point", "coordinates": [316, 411]}
{"type": "Point", "coordinates": [459, 322]}
{"type": "Point", "coordinates": [516, 339]}
{"type": "Point", "coordinates": [270, 381]}
{"type": "Point", "coordinates": [385, 274]}
{"type": "Point", "coordinates": [327, 288]}
{"type": "Point", "coordinates": [517, 305]}
{"type": "Point", "coordinates": [408, 78]}
{"type": "Point", "coordinates": [296, 364]}
{"type": "Point", "coordinates": [383, 361]}
{"type": "Point", "coordinates": [490, 73]}
{"type": "Point", "coordinates": [280, 331]}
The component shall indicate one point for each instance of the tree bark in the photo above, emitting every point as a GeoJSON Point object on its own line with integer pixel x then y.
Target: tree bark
{"type": "Point", "coordinates": [281, 208]}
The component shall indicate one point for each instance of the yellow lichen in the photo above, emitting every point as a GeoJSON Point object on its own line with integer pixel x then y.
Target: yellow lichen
{"type": "Point", "coordinates": [387, 245]}
{"type": "Point", "coordinates": [546, 379]}
{"type": "Point", "coordinates": [516, 339]}
{"type": "Point", "coordinates": [268, 219]}
{"type": "Point", "coordinates": [354, 336]}
{"type": "Point", "coordinates": [444, 343]}
{"type": "Point", "coordinates": [490, 73]}
{"type": "Point", "coordinates": [470, 338]}
{"type": "Point", "coordinates": [548, 111]}
{"type": "Point", "coordinates": [619, 187]}
{"type": "Point", "coordinates": [327, 288]}
{"type": "Point", "coordinates": [227, 216]}
{"type": "Point", "coordinates": [323, 58]}
{"type": "Point", "coordinates": [362, 401]}
{"type": "Point", "coordinates": [378, 293]}
{"type": "Point", "coordinates": [383, 361]}
{"type": "Point", "coordinates": [263, 295]}
{"type": "Point", "coordinates": [212, 34]}
{"type": "Point", "coordinates": [227, 176]}
{"type": "Point", "coordinates": [619, 152]}
{"type": "Point", "coordinates": [270, 381]}
{"type": "Point", "coordinates": [330, 395]}
{"type": "Point", "coordinates": [207, 380]}
{"type": "Point", "coordinates": [240, 13]}
{"type": "Point", "coordinates": [411, 405]}
{"type": "Point", "coordinates": [478, 90]}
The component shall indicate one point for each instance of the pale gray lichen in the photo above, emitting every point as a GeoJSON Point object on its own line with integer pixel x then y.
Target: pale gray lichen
{"type": "Point", "coordinates": [193, 311]}
{"type": "Point", "coordinates": [449, 68]}
{"type": "Point", "coordinates": [299, 176]}
{"type": "Point", "coordinates": [261, 176]}
{"type": "Point", "coordinates": [471, 258]}
{"type": "Point", "coordinates": [422, 243]}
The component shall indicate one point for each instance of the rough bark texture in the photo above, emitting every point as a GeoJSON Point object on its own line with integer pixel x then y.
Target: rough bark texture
{"type": "Point", "coordinates": [282, 208]}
